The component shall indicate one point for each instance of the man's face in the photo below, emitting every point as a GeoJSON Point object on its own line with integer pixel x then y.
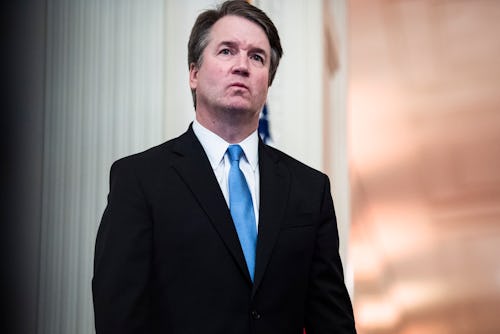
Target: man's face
{"type": "Point", "coordinates": [234, 72]}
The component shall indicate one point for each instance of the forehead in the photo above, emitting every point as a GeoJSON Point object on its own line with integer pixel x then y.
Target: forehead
{"type": "Point", "coordinates": [241, 30]}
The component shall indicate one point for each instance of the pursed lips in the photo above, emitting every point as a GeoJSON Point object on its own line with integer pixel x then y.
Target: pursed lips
{"type": "Point", "coordinates": [239, 84]}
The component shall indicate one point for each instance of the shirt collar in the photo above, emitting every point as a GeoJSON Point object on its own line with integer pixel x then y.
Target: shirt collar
{"type": "Point", "coordinates": [215, 147]}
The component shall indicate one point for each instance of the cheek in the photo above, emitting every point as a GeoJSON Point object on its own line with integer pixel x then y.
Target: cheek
{"type": "Point", "coordinates": [262, 86]}
{"type": "Point", "coordinates": [261, 78]}
{"type": "Point", "coordinates": [215, 80]}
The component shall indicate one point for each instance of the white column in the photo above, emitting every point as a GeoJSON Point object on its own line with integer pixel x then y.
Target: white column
{"type": "Point", "coordinates": [103, 100]}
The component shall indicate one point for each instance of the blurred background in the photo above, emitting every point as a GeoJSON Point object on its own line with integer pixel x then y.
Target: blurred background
{"type": "Point", "coordinates": [424, 138]}
{"type": "Point", "coordinates": [396, 100]}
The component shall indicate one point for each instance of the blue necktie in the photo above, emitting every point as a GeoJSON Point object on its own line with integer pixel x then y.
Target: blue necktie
{"type": "Point", "coordinates": [241, 207]}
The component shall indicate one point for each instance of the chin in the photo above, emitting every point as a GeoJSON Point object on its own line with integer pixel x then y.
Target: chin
{"type": "Point", "coordinates": [239, 107]}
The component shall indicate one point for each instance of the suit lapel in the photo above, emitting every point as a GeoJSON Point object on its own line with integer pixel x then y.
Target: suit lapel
{"type": "Point", "coordinates": [195, 170]}
{"type": "Point", "coordinates": [274, 190]}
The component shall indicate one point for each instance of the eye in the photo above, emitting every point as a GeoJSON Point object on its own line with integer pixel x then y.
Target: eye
{"type": "Point", "coordinates": [258, 58]}
{"type": "Point", "coordinates": [225, 52]}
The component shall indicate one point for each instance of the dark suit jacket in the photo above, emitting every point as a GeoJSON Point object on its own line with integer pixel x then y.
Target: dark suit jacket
{"type": "Point", "coordinates": [168, 259]}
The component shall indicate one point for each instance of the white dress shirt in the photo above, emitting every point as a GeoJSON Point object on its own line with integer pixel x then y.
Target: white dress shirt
{"type": "Point", "coordinates": [215, 147]}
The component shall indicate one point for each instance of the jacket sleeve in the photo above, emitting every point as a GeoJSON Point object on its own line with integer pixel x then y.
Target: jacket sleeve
{"type": "Point", "coordinates": [328, 307]}
{"type": "Point", "coordinates": [122, 261]}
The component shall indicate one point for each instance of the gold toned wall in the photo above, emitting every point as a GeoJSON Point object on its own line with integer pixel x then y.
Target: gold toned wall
{"type": "Point", "coordinates": [424, 147]}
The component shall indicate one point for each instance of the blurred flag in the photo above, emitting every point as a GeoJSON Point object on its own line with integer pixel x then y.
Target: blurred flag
{"type": "Point", "coordinates": [264, 125]}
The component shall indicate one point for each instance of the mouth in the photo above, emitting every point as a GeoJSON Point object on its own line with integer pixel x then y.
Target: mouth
{"type": "Point", "coordinates": [239, 85]}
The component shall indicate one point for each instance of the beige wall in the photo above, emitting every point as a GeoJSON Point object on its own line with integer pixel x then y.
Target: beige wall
{"type": "Point", "coordinates": [424, 99]}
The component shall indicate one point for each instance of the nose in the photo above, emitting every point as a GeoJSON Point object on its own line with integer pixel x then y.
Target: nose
{"type": "Point", "coordinates": [241, 65]}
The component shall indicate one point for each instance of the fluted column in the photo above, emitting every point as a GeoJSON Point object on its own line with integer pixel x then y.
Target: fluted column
{"type": "Point", "coordinates": [103, 100]}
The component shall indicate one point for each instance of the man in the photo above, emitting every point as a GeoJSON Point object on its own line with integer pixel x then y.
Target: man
{"type": "Point", "coordinates": [215, 232]}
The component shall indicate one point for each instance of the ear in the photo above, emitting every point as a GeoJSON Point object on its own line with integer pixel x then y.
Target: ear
{"type": "Point", "coordinates": [193, 76]}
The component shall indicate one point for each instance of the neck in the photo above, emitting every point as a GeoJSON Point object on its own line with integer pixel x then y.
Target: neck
{"type": "Point", "coordinates": [232, 129]}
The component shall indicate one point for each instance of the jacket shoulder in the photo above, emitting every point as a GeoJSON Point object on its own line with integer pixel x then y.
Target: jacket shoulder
{"type": "Point", "coordinates": [293, 164]}
{"type": "Point", "coordinates": [155, 156]}
{"type": "Point", "coordinates": [146, 156]}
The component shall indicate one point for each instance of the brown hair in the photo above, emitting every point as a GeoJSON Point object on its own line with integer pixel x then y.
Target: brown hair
{"type": "Point", "coordinates": [199, 38]}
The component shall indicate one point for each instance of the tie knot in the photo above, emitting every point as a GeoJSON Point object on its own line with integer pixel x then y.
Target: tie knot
{"type": "Point", "coordinates": [235, 152]}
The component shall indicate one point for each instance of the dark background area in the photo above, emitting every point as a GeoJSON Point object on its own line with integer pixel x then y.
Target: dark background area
{"type": "Point", "coordinates": [22, 59]}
